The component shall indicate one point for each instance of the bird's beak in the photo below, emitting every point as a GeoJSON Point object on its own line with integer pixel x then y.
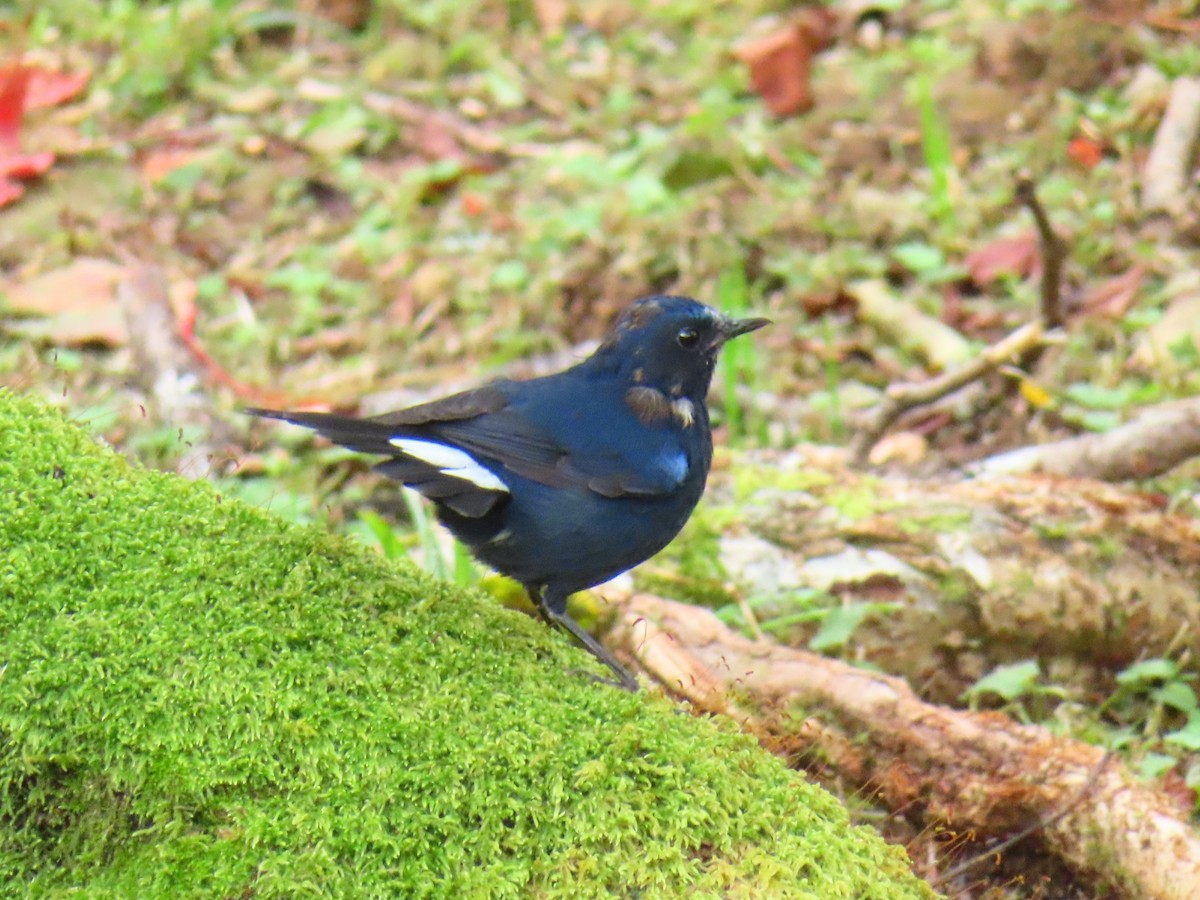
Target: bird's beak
{"type": "Point", "coordinates": [731, 328]}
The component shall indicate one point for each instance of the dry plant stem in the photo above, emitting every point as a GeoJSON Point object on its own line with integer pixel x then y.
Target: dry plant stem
{"type": "Point", "coordinates": [1054, 252]}
{"type": "Point", "coordinates": [972, 770]}
{"type": "Point", "coordinates": [1165, 177]}
{"type": "Point", "coordinates": [1160, 438]}
{"type": "Point", "coordinates": [904, 397]}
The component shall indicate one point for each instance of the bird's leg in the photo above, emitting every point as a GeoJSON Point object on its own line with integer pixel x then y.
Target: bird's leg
{"type": "Point", "coordinates": [537, 594]}
{"type": "Point", "coordinates": [554, 609]}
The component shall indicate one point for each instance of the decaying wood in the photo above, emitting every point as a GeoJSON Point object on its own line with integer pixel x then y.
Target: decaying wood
{"type": "Point", "coordinates": [1160, 438]}
{"type": "Point", "coordinates": [1165, 177]}
{"type": "Point", "coordinates": [1082, 575]}
{"type": "Point", "coordinates": [970, 770]}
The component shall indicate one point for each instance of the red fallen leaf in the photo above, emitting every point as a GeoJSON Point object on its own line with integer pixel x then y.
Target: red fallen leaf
{"type": "Point", "coordinates": [10, 191]}
{"type": "Point", "coordinates": [781, 63]}
{"type": "Point", "coordinates": [14, 81]}
{"type": "Point", "coordinates": [48, 88]}
{"type": "Point", "coordinates": [25, 87]}
{"type": "Point", "coordinates": [26, 166]}
{"type": "Point", "coordinates": [1113, 298]}
{"type": "Point", "coordinates": [1085, 151]}
{"type": "Point", "coordinates": [473, 204]}
{"type": "Point", "coordinates": [1006, 256]}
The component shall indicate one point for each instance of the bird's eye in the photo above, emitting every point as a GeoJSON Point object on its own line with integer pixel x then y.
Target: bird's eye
{"type": "Point", "coordinates": [688, 338]}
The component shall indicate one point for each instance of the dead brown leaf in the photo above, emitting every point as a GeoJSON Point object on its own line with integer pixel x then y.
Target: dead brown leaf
{"type": "Point", "coordinates": [1113, 298]}
{"type": "Point", "coordinates": [781, 63]}
{"type": "Point", "coordinates": [352, 14]}
{"type": "Point", "coordinates": [74, 305]}
{"type": "Point", "coordinates": [1006, 256]}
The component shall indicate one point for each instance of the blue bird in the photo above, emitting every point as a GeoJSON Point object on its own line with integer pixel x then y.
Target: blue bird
{"type": "Point", "coordinates": [565, 481]}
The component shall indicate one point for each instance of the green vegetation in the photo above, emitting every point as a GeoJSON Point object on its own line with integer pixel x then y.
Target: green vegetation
{"type": "Point", "coordinates": [198, 699]}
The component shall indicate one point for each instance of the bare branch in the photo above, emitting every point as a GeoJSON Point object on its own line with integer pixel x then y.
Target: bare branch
{"type": "Point", "coordinates": [1022, 348]}
{"type": "Point", "coordinates": [1054, 252]}
{"type": "Point", "coordinates": [1165, 176]}
{"type": "Point", "coordinates": [1159, 439]}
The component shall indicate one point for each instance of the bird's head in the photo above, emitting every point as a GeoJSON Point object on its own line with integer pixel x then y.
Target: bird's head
{"type": "Point", "coordinates": [671, 343]}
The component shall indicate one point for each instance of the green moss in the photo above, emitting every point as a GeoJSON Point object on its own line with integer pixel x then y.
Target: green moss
{"type": "Point", "coordinates": [858, 501]}
{"type": "Point", "coordinates": [749, 479]}
{"type": "Point", "coordinates": [955, 586]}
{"type": "Point", "coordinates": [940, 521]}
{"type": "Point", "coordinates": [197, 699]}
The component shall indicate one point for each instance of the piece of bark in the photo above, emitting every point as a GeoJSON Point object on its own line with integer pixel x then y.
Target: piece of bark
{"type": "Point", "coordinates": [966, 770]}
{"type": "Point", "coordinates": [1165, 178]}
{"type": "Point", "coordinates": [1158, 440]}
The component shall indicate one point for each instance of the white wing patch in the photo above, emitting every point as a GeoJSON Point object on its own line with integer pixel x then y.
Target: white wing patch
{"type": "Point", "coordinates": [450, 461]}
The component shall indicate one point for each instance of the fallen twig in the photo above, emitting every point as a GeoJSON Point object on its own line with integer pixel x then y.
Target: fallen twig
{"type": "Point", "coordinates": [1022, 347]}
{"type": "Point", "coordinates": [1165, 176]}
{"type": "Point", "coordinates": [973, 770]}
{"type": "Point", "coordinates": [901, 398]}
{"type": "Point", "coordinates": [1160, 438]}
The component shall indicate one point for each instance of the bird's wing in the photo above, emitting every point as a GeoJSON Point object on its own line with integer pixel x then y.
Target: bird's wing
{"type": "Point", "coordinates": [456, 450]}
{"type": "Point", "coordinates": [423, 461]}
{"type": "Point", "coordinates": [574, 430]}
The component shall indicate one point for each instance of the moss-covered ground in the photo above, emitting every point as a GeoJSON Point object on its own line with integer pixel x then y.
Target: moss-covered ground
{"type": "Point", "coordinates": [198, 699]}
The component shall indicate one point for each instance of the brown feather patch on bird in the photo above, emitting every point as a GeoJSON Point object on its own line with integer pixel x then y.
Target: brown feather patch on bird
{"type": "Point", "coordinates": [651, 406]}
{"type": "Point", "coordinates": [648, 405]}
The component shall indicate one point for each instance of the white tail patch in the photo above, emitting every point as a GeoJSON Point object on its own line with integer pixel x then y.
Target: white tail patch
{"type": "Point", "coordinates": [450, 461]}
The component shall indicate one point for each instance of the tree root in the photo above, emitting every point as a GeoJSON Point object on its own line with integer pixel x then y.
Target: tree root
{"type": "Point", "coordinates": [966, 769]}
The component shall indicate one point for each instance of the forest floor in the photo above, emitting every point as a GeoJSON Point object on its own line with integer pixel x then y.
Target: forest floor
{"type": "Point", "coordinates": [354, 206]}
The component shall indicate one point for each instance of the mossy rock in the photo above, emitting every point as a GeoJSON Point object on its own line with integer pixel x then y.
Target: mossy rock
{"type": "Point", "coordinates": [198, 699]}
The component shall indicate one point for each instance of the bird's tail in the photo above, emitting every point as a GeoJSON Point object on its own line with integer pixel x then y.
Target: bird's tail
{"type": "Point", "coordinates": [363, 435]}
